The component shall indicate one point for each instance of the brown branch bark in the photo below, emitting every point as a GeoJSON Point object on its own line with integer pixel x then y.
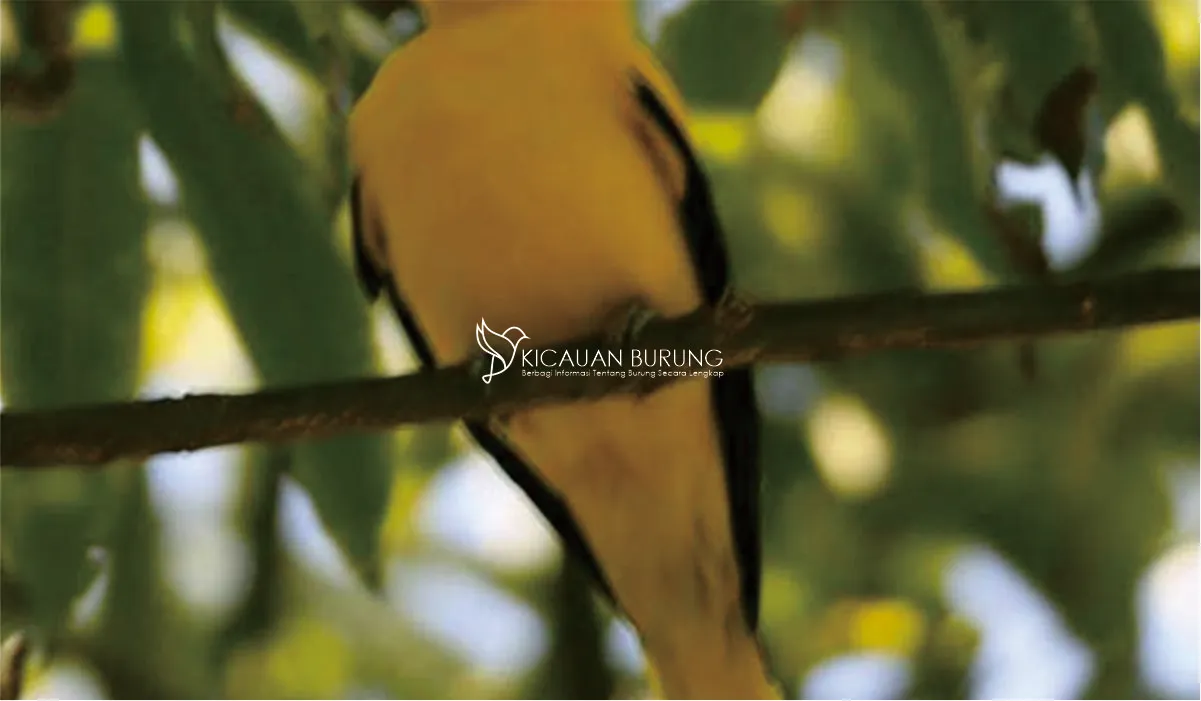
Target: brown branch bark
{"type": "Point", "coordinates": [12, 665]}
{"type": "Point", "coordinates": [778, 332]}
{"type": "Point", "coordinates": [38, 95]}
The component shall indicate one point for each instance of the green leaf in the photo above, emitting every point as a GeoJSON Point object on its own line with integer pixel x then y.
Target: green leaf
{"type": "Point", "coordinates": [1133, 65]}
{"type": "Point", "coordinates": [139, 628]}
{"type": "Point", "coordinates": [871, 249]}
{"type": "Point", "coordinates": [908, 44]}
{"type": "Point", "coordinates": [271, 252]}
{"type": "Point", "coordinates": [73, 280]}
{"type": "Point", "coordinates": [886, 157]}
{"type": "Point", "coordinates": [325, 24]}
{"type": "Point", "coordinates": [725, 55]}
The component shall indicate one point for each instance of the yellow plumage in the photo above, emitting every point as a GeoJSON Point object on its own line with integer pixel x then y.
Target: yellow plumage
{"type": "Point", "coordinates": [506, 171]}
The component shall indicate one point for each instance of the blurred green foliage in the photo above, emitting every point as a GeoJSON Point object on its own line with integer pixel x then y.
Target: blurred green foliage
{"type": "Point", "coordinates": [71, 185]}
{"type": "Point", "coordinates": [269, 248]}
{"type": "Point", "coordinates": [853, 147]}
{"type": "Point", "coordinates": [753, 41]}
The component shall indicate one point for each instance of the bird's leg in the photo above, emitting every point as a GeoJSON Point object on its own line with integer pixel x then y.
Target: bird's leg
{"type": "Point", "coordinates": [479, 364]}
{"type": "Point", "coordinates": [734, 310]}
{"type": "Point", "coordinates": [623, 325]}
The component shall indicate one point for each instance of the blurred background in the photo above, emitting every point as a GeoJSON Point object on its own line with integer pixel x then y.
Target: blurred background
{"type": "Point", "coordinates": [1008, 521]}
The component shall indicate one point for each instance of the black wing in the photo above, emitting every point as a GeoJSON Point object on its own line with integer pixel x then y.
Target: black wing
{"type": "Point", "coordinates": [733, 393]}
{"type": "Point", "coordinates": [552, 508]}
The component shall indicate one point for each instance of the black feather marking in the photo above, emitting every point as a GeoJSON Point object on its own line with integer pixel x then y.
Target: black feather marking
{"type": "Point", "coordinates": [696, 210]}
{"type": "Point", "coordinates": [549, 504]}
{"type": "Point", "coordinates": [552, 508]}
{"type": "Point", "coordinates": [370, 277]}
{"type": "Point", "coordinates": [408, 322]}
{"type": "Point", "coordinates": [733, 393]}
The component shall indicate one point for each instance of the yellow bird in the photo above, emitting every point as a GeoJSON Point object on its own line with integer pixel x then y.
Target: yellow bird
{"type": "Point", "coordinates": [525, 162]}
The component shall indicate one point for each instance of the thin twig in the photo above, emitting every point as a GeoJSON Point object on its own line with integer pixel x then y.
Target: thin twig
{"type": "Point", "coordinates": [783, 332]}
{"type": "Point", "coordinates": [12, 665]}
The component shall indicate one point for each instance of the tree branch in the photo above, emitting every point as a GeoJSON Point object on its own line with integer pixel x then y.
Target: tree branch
{"type": "Point", "coordinates": [12, 666]}
{"type": "Point", "coordinates": [39, 95]}
{"type": "Point", "coordinates": [778, 332]}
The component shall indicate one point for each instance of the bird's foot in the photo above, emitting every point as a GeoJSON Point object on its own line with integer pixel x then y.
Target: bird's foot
{"type": "Point", "coordinates": [624, 324]}
{"type": "Point", "coordinates": [734, 310]}
{"type": "Point", "coordinates": [479, 365]}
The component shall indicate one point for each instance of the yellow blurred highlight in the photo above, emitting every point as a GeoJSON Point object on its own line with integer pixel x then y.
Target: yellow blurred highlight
{"type": "Point", "coordinates": [888, 626]}
{"type": "Point", "coordinates": [398, 534]}
{"type": "Point", "coordinates": [803, 116]}
{"type": "Point", "coordinates": [187, 331]}
{"type": "Point", "coordinates": [1130, 150]}
{"type": "Point", "coordinates": [850, 447]}
{"type": "Point", "coordinates": [38, 670]}
{"type": "Point", "coordinates": [1178, 26]}
{"type": "Point", "coordinates": [10, 41]}
{"type": "Point", "coordinates": [654, 686]}
{"type": "Point", "coordinates": [783, 596]}
{"type": "Point", "coordinates": [724, 137]}
{"type": "Point", "coordinates": [794, 216]}
{"type": "Point", "coordinates": [171, 309]}
{"type": "Point", "coordinates": [833, 632]}
{"type": "Point", "coordinates": [95, 28]}
{"type": "Point", "coordinates": [949, 265]}
{"type": "Point", "coordinates": [308, 660]}
{"type": "Point", "coordinates": [1151, 348]}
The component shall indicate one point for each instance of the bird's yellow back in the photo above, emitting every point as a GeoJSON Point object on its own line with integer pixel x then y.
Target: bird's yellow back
{"type": "Point", "coordinates": [529, 144]}
{"type": "Point", "coordinates": [507, 172]}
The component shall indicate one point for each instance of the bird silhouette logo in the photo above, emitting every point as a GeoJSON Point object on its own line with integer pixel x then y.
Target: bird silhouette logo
{"type": "Point", "coordinates": [503, 353]}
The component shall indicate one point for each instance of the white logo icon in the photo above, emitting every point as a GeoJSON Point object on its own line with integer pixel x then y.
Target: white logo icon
{"type": "Point", "coordinates": [512, 338]}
